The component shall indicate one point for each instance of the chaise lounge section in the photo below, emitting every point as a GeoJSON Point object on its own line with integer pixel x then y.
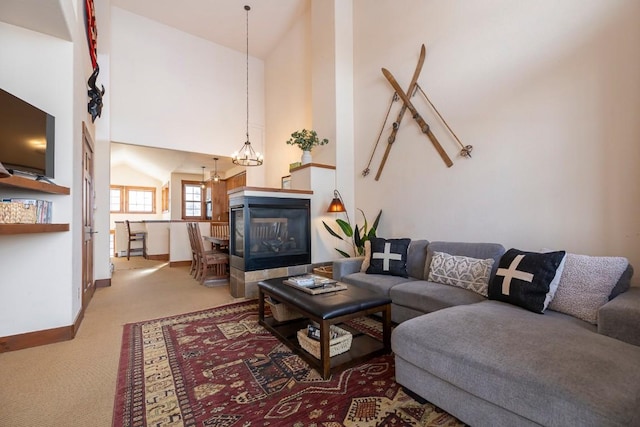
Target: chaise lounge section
{"type": "Point", "coordinates": [492, 363]}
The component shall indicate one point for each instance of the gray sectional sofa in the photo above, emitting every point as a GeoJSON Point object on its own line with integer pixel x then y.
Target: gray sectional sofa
{"type": "Point", "coordinates": [491, 363]}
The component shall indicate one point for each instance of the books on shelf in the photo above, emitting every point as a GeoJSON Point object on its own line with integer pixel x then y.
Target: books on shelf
{"type": "Point", "coordinates": [314, 284]}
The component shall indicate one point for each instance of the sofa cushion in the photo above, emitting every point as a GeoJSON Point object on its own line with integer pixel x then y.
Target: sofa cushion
{"type": "Point", "coordinates": [461, 271]}
{"type": "Point", "coordinates": [527, 279]}
{"type": "Point", "coordinates": [472, 250]}
{"type": "Point", "coordinates": [585, 285]}
{"type": "Point", "coordinates": [389, 256]}
{"type": "Point", "coordinates": [623, 284]}
{"type": "Point", "coordinates": [379, 283]}
{"type": "Point", "coordinates": [416, 257]}
{"type": "Point", "coordinates": [426, 296]}
{"type": "Point", "coordinates": [552, 369]}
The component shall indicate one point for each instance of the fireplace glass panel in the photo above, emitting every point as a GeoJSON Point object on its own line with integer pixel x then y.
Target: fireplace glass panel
{"type": "Point", "coordinates": [276, 231]}
{"type": "Point", "coordinates": [238, 235]}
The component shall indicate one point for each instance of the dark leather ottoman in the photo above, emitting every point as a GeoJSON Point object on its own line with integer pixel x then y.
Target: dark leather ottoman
{"type": "Point", "coordinates": [327, 309]}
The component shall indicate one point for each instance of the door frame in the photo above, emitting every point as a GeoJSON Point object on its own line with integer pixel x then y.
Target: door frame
{"type": "Point", "coordinates": [88, 202]}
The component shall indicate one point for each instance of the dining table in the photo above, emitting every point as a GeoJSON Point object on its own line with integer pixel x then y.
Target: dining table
{"type": "Point", "coordinates": [218, 243]}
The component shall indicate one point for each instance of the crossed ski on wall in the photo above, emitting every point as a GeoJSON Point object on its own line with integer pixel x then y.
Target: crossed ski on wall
{"type": "Point", "coordinates": [408, 105]}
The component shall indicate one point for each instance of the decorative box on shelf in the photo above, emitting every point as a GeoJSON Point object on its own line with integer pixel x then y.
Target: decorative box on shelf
{"type": "Point", "coordinates": [338, 345]}
{"type": "Point", "coordinates": [281, 312]}
{"type": "Point", "coordinates": [17, 213]}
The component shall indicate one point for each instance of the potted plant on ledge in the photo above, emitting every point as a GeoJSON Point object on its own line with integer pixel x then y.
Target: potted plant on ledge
{"type": "Point", "coordinates": [306, 140]}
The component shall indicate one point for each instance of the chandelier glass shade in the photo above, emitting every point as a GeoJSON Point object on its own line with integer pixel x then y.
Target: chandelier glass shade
{"type": "Point", "coordinates": [216, 177]}
{"type": "Point", "coordinates": [247, 156]}
{"type": "Point", "coordinates": [203, 182]}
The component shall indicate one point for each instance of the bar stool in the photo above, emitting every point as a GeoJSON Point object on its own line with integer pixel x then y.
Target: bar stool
{"type": "Point", "coordinates": [137, 236]}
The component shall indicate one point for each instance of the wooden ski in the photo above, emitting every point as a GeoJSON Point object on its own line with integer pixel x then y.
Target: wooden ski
{"type": "Point", "coordinates": [417, 117]}
{"type": "Point", "coordinates": [396, 124]}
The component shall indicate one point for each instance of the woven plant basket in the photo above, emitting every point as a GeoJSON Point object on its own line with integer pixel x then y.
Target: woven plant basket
{"type": "Point", "coordinates": [338, 345]}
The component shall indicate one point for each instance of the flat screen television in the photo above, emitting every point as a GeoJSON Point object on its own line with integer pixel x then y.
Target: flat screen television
{"type": "Point", "coordinates": [27, 137]}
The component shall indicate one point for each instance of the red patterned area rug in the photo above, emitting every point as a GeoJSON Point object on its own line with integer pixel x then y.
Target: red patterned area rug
{"type": "Point", "coordinates": [219, 368]}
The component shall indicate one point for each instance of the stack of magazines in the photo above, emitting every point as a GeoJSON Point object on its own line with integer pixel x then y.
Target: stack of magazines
{"type": "Point", "coordinates": [310, 281]}
{"type": "Point", "coordinates": [312, 284]}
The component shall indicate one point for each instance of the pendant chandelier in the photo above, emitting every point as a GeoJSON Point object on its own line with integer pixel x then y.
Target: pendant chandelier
{"type": "Point", "coordinates": [246, 156]}
{"type": "Point", "coordinates": [216, 177]}
{"type": "Point", "coordinates": [203, 183]}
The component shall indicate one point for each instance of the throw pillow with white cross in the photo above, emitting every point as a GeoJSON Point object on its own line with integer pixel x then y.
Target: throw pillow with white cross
{"type": "Point", "coordinates": [389, 256]}
{"type": "Point", "coordinates": [527, 279]}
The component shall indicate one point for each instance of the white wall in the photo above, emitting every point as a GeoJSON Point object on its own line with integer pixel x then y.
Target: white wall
{"type": "Point", "coordinates": [547, 93]}
{"type": "Point", "coordinates": [174, 90]}
{"type": "Point", "coordinates": [41, 282]}
{"type": "Point", "coordinates": [288, 97]}
{"type": "Point", "coordinates": [102, 139]}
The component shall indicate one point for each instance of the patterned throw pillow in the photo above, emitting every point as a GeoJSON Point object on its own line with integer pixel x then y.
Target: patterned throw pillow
{"type": "Point", "coordinates": [461, 271]}
{"type": "Point", "coordinates": [389, 256]}
{"type": "Point", "coordinates": [585, 285]}
{"type": "Point", "coordinates": [527, 279]}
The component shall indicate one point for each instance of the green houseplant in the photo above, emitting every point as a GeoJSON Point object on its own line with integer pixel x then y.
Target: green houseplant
{"type": "Point", "coordinates": [306, 140]}
{"type": "Point", "coordinates": [358, 235]}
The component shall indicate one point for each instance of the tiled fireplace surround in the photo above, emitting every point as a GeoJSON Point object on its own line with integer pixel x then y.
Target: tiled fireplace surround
{"type": "Point", "coordinates": [245, 283]}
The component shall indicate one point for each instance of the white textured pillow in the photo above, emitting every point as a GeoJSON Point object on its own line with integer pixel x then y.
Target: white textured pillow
{"type": "Point", "coordinates": [585, 285]}
{"type": "Point", "coordinates": [461, 271]}
{"type": "Point", "coordinates": [367, 256]}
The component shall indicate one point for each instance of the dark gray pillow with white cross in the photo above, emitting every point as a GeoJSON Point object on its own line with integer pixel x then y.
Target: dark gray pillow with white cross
{"type": "Point", "coordinates": [389, 256]}
{"type": "Point", "coordinates": [527, 279]}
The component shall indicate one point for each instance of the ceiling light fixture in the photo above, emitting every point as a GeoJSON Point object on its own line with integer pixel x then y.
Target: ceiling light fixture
{"type": "Point", "coordinates": [216, 177]}
{"type": "Point", "coordinates": [246, 156]}
{"type": "Point", "coordinates": [203, 182]}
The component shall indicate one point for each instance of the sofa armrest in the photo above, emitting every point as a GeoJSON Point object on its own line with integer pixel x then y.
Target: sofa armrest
{"type": "Point", "coordinates": [620, 317]}
{"type": "Point", "coordinates": [345, 266]}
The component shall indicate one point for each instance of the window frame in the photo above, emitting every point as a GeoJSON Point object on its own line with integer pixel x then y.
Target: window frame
{"type": "Point", "coordinates": [203, 205]}
{"type": "Point", "coordinates": [120, 189]}
{"type": "Point", "coordinates": [124, 199]}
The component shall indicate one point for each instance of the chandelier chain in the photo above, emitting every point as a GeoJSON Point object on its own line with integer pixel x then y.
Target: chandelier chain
{"type": "Point", "coordinates": [247, 8]}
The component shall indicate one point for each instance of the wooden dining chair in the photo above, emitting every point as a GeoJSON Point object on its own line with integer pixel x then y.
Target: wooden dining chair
{"type": "Point", "coordinates": [195, 258]}
{"type": "Point", "coordinates": [136, 236]}
{"type": "Point", "coordinates": [220, 229]}
{"type": "Point", "coordinates": [213, 265]}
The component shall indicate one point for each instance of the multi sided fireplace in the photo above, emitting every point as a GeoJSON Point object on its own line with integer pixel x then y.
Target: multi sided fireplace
{"type": "Point", "coordinates": [269, 232]}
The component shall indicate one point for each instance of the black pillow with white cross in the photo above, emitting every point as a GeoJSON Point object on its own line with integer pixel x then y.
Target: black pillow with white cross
{"type": "Point", "coordinates": [389, 256]}
{"type": "Point", "coordinates": [527, 279]}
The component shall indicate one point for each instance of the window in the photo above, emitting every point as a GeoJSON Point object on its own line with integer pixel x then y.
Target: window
{"type": "Point", "coordinates": [115, 199]}
{"type": "Point", "coordinates": [165, 198]}
{"type": "Point", "coordinates": [141, 200]}
{"type": "Point", "coordinates": [133, 199]}
{"type": "Point", "coordinates": [192, 200]}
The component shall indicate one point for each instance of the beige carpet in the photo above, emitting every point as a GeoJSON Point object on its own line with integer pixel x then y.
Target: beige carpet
{"type": "Point", "coordinates": [73, 383]}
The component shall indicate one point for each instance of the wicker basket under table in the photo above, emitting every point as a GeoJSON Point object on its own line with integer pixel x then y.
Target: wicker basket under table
{"type": "Point", "coordinates": [281, 312]}
{"type": "Point", "coordinates": [338, 345]}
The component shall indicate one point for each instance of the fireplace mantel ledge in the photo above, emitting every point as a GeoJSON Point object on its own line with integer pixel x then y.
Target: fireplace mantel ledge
{"type": "Point", "coordinates": [266, 192]}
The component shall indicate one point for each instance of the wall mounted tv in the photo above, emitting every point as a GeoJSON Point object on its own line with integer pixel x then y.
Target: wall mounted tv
{"type": "Point", "coordinates": [27, 137]}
